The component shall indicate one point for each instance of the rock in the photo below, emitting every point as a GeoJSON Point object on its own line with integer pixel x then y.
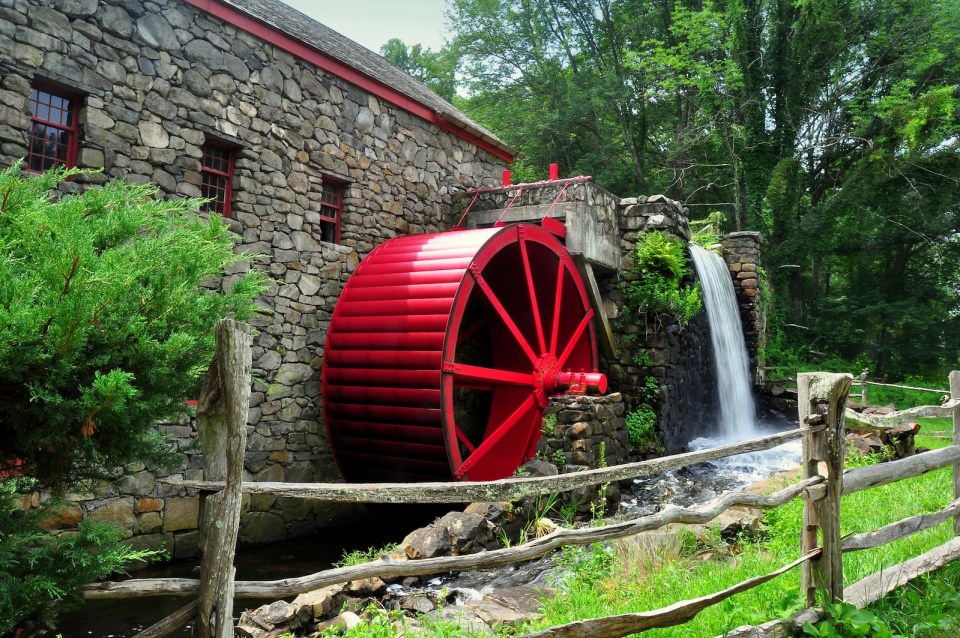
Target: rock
{"type": "Point", "coordinates": [522, 599]}
{"type": "Point", "coordinates": [469, 533]}
{"type": "Point", "coordinates": [319, 602]}
{"type": "Point", "coordinates": [365, 588]}
{"type": "Point", "coordinates": [537, 467]}
{"type": "Point", "coordinates": [493, 613]}
{"type": "Point", "coordinates": [426, 542]}
{"type": "Point", "coordinates": [420, 602]}
{"type": "Point", "coordinates": [180, 513]}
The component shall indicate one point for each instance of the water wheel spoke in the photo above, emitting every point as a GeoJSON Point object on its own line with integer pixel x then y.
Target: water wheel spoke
{"type": "Point", "coordinates": [531, 290]}
{"type": "Point", "coordinates": [465, 374]}
{"type": "Point", "coordinates": [530, 403]}
{"type": "Point", "coordinates": [558, 297]}
{"type": "Point", "coordinates": [504, 315]}
{"type": "Point", "coordinates": [465, 441]}
{"type": "Point", "coordinates": [581, 327]}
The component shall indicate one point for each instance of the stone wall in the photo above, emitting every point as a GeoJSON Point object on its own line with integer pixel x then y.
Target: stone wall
{"type": "Point", "coordinates": [741, 251]}
{"type": "Point", "coordinates": [679, 358]}
{"type": "Point", "coordinates": [585, 432]}
{"type": "Point", "coordinates": [157, 80]}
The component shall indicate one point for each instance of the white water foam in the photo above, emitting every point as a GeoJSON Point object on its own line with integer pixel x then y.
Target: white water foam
{"type": "Point", "coordinates": [737, 410]}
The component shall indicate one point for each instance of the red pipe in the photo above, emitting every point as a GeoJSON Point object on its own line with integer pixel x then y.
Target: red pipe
{"type": "Point", "coordinates": [554, 172]}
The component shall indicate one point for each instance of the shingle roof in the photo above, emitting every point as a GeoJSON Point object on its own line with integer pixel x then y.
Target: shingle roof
{"type": "Point", "coordinates": [321, 37]}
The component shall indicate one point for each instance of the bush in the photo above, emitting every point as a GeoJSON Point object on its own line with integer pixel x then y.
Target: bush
{"type": "Point", "coordinates": [655, 288]}
{"type": "Point", "coordinates": [106, 324]}
{"type": "Point", "coordinates": [38, 570]}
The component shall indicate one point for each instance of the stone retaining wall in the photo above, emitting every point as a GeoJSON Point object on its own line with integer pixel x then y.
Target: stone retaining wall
{"type": "Point", "coordinates": [741, 251]}
{"type": "Point", "coordinates": [159, 79]}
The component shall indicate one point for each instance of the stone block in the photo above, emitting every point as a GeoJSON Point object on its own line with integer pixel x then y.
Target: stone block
{"type": "Point", "coordinates": [180, 513]}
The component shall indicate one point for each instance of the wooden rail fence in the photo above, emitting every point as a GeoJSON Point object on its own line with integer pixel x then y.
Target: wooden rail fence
{"type": "Point", "coordinates": [824, 482]}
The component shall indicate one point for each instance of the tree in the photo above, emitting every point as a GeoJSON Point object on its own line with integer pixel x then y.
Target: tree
{"type": "Point", "coordinates": [436, 69]}
{"type": "Point", "coordinates": [107, 309]}
{"type": "Point", "coordinates": [831, 126]}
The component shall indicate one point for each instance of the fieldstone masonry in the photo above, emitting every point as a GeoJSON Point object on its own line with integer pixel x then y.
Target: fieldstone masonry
{"type": "Point", "coordinates": [157, 79]}
{"type": "Point", "coordinates": [741, 251]}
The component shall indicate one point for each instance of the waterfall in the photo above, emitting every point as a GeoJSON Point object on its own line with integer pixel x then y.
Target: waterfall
{"type": "Point", "coordinates": [737, 411]}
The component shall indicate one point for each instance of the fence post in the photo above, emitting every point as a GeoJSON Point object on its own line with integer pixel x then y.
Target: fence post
{"type": "Point", "coordinates": [221, 423]}
{"type": "Point", "coordinates": [863, 387]}
{"type": "Point", "coordinates": [954, 395]}
{"type": "Point", "coordinates": [823, 455]}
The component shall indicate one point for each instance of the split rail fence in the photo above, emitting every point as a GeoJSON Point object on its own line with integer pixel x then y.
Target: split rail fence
{"type": "Point", "coordinates": [222, 417]}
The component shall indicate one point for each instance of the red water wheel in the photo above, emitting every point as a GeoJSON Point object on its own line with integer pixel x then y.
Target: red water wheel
{"type": "Point", "coordinates": [443, 350]}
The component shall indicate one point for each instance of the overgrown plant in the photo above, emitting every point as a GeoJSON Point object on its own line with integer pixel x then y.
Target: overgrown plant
{"type": "Point", "coordinates": [846, 621]}
{"type": "Point", "coordinates": [40, 573]}
{"type": "Point", "coordinates": [655, 287]}
{"type": "Point", "coordinates": [107, 322]}
{"type": "Point", "coordinates": [707, 232]}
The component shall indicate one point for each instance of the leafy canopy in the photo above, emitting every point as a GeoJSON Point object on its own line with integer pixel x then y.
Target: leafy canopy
{"type": "Point", "coordinates": [107, 312]}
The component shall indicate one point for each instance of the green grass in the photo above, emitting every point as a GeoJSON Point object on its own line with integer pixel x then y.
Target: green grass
{"type": "Point", "coordinates": [653, 575]}
{"type": "Point", "coordinates": [927, 608]}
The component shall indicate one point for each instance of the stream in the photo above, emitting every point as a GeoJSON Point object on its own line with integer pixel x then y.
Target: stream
{"type": "Point", "coordinates": [297, 557]}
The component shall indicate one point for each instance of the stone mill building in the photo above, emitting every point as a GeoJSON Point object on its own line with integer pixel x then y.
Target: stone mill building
{"type": "Point", "coordinates": [315, 149]}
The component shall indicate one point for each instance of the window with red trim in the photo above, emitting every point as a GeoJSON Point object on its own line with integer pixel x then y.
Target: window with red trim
{"type": "Point", "coordinates": [331, 210]}
{"type": "Point", "coordinates": [54, 129]}
{"type": "Point", "coordinates": [216, 173]}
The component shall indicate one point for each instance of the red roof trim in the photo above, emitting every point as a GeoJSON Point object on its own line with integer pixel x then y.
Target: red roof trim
{"type": "Point", "coordinates": [241, 20]}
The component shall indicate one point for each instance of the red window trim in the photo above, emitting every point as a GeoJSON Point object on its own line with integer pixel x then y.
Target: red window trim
{"type": "Point", "coordinates": [73, 130]}
{"type": "Point", "coordinates": [254, 26]}
{"type": "Point", "coordinates": [227, 176]}
{"type": "Point", "coordinates": [336, 220]}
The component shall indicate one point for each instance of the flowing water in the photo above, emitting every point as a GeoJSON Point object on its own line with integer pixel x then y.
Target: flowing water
{"type": "Point", "coordinates": [737, 411]}
{"type": "Point", "coordinates": [737, 419]}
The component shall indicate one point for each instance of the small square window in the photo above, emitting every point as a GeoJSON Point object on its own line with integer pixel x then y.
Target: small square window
{"type": "Point", "coordinates": [54, 131]}
{"type": "Point", "coordinates": [216, 174]}
{"type": "Point", "coordinates": [331, 210]}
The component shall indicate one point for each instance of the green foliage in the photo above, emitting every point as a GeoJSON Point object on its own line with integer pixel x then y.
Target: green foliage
{"type": "Point", "coordinates": [361, 556]}
{"type": "Point", "coordinates": [585, 567]}
{"type": "Point", "coordinates": [926, 608]}
{"type": "Point", "coordinates": [436, 69]}
{"type": "Point", "coordinates": [831, 127]}
{"type": "Point", "coordinates": [642, 426]}
{"type": "Point", "coordinates": [707, 232]}
{"type": "Point", "coordinates": [559, 459]}
{"type": "Point", "coordinates": [105, 322]}
{"type": "Point", "coordinates": [40, 573]}
{"type": "Point", "coordinates": [655, 287]}
{"type": "Point", "coordinates": [549, 424]}
{"type": "Point", "coordinates": [846, 621]}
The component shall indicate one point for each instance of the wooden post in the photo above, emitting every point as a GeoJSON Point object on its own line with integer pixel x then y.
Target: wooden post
{"type": "Point", "coordinates": [823, 455]}
{"type": "Point", "coordinates": [863, 387]}
{"type": "Point", "coordinates": [221, 422]}
{"type": "Point", "coordinates": [954, 395]}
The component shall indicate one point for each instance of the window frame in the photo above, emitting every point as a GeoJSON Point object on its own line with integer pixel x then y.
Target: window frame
{"type": "Point", "coordinates": [227, 176]}
{"type": "Point", "coordinates": [71, 130]}
{"type": "Point", "coordinates": [339, 187]}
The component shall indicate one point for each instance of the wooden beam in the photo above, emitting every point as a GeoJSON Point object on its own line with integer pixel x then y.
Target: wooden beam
{"type": "Point", "coordinates": [501, 490]}
{"type": "Point", "coordinates": [222, 425]}
{"type": "Point", "coordinates": [675, 614]}
{"type": "Point", "coordinates": [823, 452]}
{"type": "Point", "coordinates": [608, 342]}
{"type": "Point", "coordinates": [389, 567]}
{"type": "Point", "coordinates": [171, 623]}
{"type": "Point", "coordinates": [900, 529]}
{"type": "Point", "coordinates": [876, 586]}
{"type": "Point", "coordinates": [862, 478]}
{"type": "Point", "coordinates": [955, 399]}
